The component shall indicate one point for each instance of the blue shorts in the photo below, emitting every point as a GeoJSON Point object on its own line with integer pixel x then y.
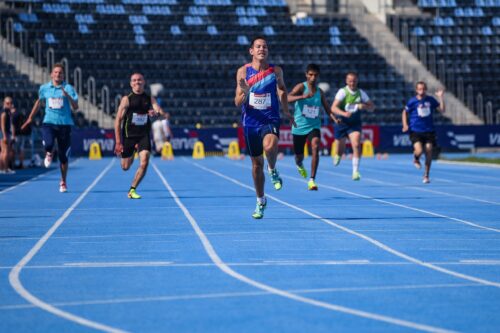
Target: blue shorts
{"type": "Point", "coordinates": [255, 135]}
{"type": "Point", "coordinates": [61, 133]}
{"type": "Point", "coordinates": [342, 131]}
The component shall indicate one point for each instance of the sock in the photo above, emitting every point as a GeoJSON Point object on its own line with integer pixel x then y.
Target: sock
{"type": "Point", "coordinates": [131, 188]}
{"type": "Point", "coordinates": [312, 178]}
{"type": "Point", "coordinates": [261, 200]}
{"type": "Point", "coordinates": [355, 164]}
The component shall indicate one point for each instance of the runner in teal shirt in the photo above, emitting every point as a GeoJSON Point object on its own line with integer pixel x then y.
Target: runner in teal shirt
{"type": "Point", "coordinates": [308, 100]}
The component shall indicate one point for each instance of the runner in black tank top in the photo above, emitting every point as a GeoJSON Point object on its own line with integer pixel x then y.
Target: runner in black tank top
{"type": "Point", "coordinates": [134, 112]}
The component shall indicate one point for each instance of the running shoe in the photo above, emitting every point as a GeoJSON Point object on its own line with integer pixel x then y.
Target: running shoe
{"type": "Point", "coordinates": [48, 160]}
{"type": "Point", "coordinates": [259, 210]}
{"type": "Point", "coordinates": [62, 187]}
{"type": "Point", "coordinates": [417, 164]}
{"type": "Point", "coordinates": [311, 185]}
{"type": "Point", "coordinates": [276, 179]}
{"type": "Point", "coordinates": [356, 175]}
{"type": "Point", "coordinates": [336, 160]}
{"type": "Point", "coordinates": [426, 180]}
{"type": "Point", "coordinates": [302, 171]}
{"type": "Point", "coordinates": [10, 171]}
{"type": "Point", "coordinates": [132, 194]}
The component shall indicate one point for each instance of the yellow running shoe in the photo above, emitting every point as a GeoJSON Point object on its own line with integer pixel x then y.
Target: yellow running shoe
{"type": "Point", "coordinates": [132, 194]}
{"type": "Point", "coordinates": [356, 175]}
{"type": "Point", "coordinates": [336, 160]}
{"type": "Point", "coordinates": [302, 171]}
{"type": "Point", "coordinates": [311, 185]}
{"type": "Point", "coordinates": [259, 210]}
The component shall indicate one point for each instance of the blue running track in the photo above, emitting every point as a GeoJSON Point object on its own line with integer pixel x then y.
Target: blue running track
{"type": "Point", "coordinates": [386, 254]}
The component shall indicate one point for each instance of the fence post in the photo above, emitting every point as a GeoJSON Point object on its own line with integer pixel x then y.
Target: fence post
{"type": "Point", "coordinates": [77, 80]}
{"type": "Point", "coordinates": [489, 113]}
{"type": "Point", "coordinates": [65, 63]}
{"type": "Point", "coordinates": [480, 106]}
{"type": "Point", "coordinates": [470, 98]}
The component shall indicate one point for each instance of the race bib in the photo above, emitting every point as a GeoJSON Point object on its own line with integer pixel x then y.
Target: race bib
{"type": "Point", "coordinates": [139, 119]}
{"type": "Point", "coordinates": [423, 111]}
{"type": "Point", "coordinates": [351, 108]}
{"type": "Point", "coordinates": [260, 101]}
{"type": "Point", "coordinates": [310, 111]}
{"type": "Point", "coordinates": [56, 103]}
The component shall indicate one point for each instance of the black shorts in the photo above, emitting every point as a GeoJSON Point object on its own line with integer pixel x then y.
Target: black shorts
{"type": "Point", "coordinates": [299, 141]}
{"type": "Point", "coordinates": [142, 142]}
{"type": "Point", "coordinates": [423, 137]}
{"type": "Point", "coordinates": [255, 135]}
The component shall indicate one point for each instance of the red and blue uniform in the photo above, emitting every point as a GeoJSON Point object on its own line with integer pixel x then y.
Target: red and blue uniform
{"type": "Point", "coordinates": [260, 111]}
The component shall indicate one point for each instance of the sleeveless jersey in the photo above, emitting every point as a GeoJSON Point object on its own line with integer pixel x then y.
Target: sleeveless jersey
{"type": "Point", "coordinates": [137, 122]}
{"type": "Point", "coordinates": [261, 107]}
{"type": "Point", "coordinates": [355, 118]}
{"type": "Point", "coordinates": [307, 113]}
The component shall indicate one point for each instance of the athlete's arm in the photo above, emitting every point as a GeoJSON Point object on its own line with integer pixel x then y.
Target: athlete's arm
{"type": "Point", "coordinates": [326, 106]}
{"type": "Point", "coordinates": [369, 106]}
{"type": "Point", "coordinates": [156, 107]}
{"type": "Point", "coordinates": [2, 123]}
{"type": "Point", "coordinates": [282, 95]}
{"type": "Point", "coordinates": [32, 115]}
{"type": "Point", "coordinates": [297, 93]}
{"type": "Point", "coordinates": [404, 120]}
{"type": "Point", "coordinates": [440, 96]}
{"type": "Point", "coordinates": [73, 100]}
{"type": "Point", "coordinates": [242, 87]}
{"type": "Point", "coordinates": [122, 109]}
{"type": "Point", "coordinates": [337, 111]}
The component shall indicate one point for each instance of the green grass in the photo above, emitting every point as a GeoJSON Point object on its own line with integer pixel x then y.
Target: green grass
{"type": "Point", "coordinates": [475, 159]}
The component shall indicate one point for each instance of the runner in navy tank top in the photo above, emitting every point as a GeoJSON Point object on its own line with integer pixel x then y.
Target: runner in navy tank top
{"type": "Point", "coordinates": [420, 110]}
{"type": "Point", "coordinates": [260, 89]}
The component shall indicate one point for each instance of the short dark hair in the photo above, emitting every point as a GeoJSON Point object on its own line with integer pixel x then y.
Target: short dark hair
{"type": "Point", "coordinates": [352, 73]}
{"type": "Point", "coordinates": [256, 38]}
{"type": "Point", "coordinates": [137, 73]}
{"type": "Point", "coordinates": [58, 64]}
{"type": "Point", "coordinates": [312, 67]}
{"type": "Point", "coordinates": [421, 82]}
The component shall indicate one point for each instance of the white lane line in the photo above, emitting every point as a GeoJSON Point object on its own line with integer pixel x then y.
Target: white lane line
{"type": "Point", "coordinates": [478, 164]}
{"type": "Point", "coordinates": [33, 179]}
{"type": "Point", "coordinates": [242, 294]}
{"type": "Point", "coordinates": [15, 281]}
{"type": "Point", "coordinates": [397, 205]}
{"type": "Point", "coordinates": [478, 262]}
{"type": "Point", "coordinates": [411, 187]}
{"type": "Point", "coordinates": [229, 271]}
{"type": "Point", "coordinates": [358, 234]}
{"type": "Point", "coordinates": [119, 264]}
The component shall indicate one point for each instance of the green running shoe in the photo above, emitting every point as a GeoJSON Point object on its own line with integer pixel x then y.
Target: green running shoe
{"type": "Point", "coordinates": [259, 210]}
{"type": "Point", "coordinates": [132, 194]}
{"type": "Point", "coordinates": [356, 175]}
{"type": "Point", "coordinates": [311, 185]}
{"type": "Point", "coordinates": [276, 179]}
{"type": "Point", "coordinates": [336, 160]}
{"type": "Point", "coordinates": [302, 171]}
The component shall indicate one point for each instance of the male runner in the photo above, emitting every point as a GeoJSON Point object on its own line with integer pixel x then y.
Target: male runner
{"type": "Point", "coordinates": [260, 89]}
{"type": "Point", "coordinates": [420, 109]}
{"type": "Point", "coordinates": [308, 100]}
{"type": "Point", "coordinates": [348, 104]}
{"type": "Point", "coordinates": [134, 111]}
{"type": "Point", "coordinates": [60, 98]}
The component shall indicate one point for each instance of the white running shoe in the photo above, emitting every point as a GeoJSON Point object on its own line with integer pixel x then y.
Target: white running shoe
{"type": "Point", "coordinates": [62, 187]}
{"type": "Point", "coordinates": [48, 160]}
{"type": "Point", "coordinates": [426, 180]}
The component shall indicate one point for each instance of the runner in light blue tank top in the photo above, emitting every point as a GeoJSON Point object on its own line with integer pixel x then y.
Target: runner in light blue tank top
{"type": "Point", "coordinates": [308, 100]}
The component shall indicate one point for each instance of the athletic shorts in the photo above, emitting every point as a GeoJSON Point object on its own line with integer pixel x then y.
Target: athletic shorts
{"type": "Point", "coordinates": [142, 142]}
{"type": "Point", "coordinates": [423, 137]}
{"type": "Point", "coordinates": [255, 135]}
{"type": "Point", "coordinates": [299, 141]}
{"type": "Point", "coordinates": [343, 131]}
{"type": "Point", "coordinates": [61, 133]}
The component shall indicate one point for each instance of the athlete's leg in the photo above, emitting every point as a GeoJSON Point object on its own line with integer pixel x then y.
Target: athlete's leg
{"type": "Point", "coordinates": [270, 144]}
{"type": "Point", "coordinates": [63, 136]}
{"type": "Point", "coordinates": [141, 170]}
{"type": "Point", "coordinates": [315, 142]}
{"type": "Point", "coordinates": [126, 162]}
{"type": "Point", "coordinates": [299, 142]}
{"type": "Point", "coordinates": [428, 158]}
{"type": "Point", "coordinates": [355, 138]}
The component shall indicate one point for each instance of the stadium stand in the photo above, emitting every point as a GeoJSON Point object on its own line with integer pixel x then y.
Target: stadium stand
{"type": "Point", "coordinates": [193, 48]}
{"type": "Point", "coordinates": [459, 41]}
